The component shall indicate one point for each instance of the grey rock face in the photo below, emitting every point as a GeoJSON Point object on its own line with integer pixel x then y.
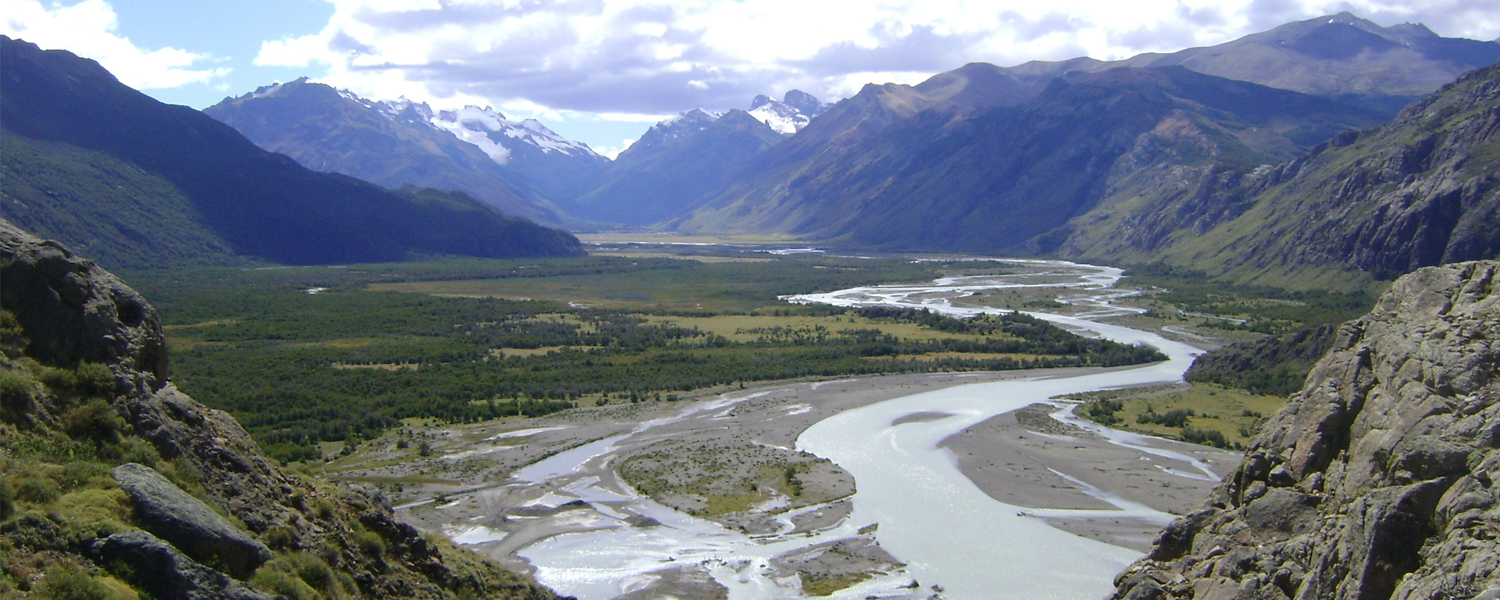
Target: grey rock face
{"type": "Point", "coordinates": [1377, 480]}
{"type": "Point", "coordinates": [158, 568]}
{"type": "Point", "coordinates": [189, 524]}
{"type": "Point", "coordinates": [75, 311]}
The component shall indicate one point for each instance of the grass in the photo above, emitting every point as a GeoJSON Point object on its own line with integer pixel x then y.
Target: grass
{"type": "Point", "coordinates": [818, 584]}
{"type": "Point", "coordinates": [1231, 412]}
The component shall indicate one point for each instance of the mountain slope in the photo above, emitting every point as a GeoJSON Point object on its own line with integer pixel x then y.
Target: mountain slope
{"type": "Point", "coordinates": [68, 193]}
{"type": "Point", "coordinates": [88, 410]}
{"type": "Point", "coordinates": [1375, 481]}
{"type": "Point", "coordinates": [896, 168]}
{"type": "Point", "coordinates": [386, 143]}
{"type": "Point", "coordinates": [675, 165]}
{"type": "Point", "coordinates": [1420, 191]}
{"type": "Point", "coordinates": [260, 204]}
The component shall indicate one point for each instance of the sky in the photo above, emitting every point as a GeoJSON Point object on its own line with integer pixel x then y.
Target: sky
{"type": "Point", "coordinates": [603, 71]}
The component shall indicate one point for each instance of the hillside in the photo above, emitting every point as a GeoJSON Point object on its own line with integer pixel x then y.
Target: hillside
{"type": "Point", "coordinates": [901, 169]}
{"type": "Point", "coordinates": [117, 485]}
{"type": "Point", "coordinates": [675, 166]}
{"type": "Point", "coordinates": [386, 143]}
{"type": "Point", "coordinates": [1375, 481]}
{"type": "Point", "coordinates": [1417, 192]}
{"type": "Point", "coordinates": [259, 204]}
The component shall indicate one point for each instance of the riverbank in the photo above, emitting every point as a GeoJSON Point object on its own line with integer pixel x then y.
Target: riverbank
{"type": "Point", "coordinates": [860, 487]}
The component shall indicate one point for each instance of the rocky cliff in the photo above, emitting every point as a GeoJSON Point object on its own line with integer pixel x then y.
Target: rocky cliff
{"type": "Point", "coordinates": [110, 476]}
{"type": "Point", "coordinates": [1377, 479]}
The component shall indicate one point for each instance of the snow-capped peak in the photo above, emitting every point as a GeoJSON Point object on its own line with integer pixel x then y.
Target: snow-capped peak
{"type": "Point", "coordinates": [488, 129]}
{"type": "Point", "coordinates": [789, 116]}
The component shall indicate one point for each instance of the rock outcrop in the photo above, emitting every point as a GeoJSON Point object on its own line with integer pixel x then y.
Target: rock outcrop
{"type": "Point", "coordinates": [75, 316]}
{"type": "Point", "coordinates": [188, 523]}
{"type": "Point", "coordinates": [1378, 478]}
{"type": "Point", "coordinates": [158, 568]}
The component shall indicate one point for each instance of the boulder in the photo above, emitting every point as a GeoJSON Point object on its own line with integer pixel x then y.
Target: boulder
{"type": "Point", "coordinates": [188, 523]}
{"type": "Point", "coordinates": [156, 567]}
{"type": "Point", "coordinates": [1376, 481]}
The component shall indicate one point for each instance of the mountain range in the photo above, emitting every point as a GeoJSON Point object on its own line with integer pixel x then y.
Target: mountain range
{"type": "Point", "coordinates": [92, 162]}
{"type": "Point", "coordinates": [515, 166]}
{"type": "Point", "coordinates": [1201, 158]}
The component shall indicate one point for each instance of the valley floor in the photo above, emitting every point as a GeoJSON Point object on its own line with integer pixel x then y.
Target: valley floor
{"type": "Point", "coordinates": [728, 458]}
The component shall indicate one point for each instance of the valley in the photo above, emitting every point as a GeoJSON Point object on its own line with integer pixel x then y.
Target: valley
{"type": "Point", "coordinates": [1213, 323]}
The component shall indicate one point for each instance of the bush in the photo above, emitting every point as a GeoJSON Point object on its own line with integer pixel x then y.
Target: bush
{"type": "Point", "coordinates": [1207, 437]}
{"type": "Point", "coordinates": [284, 584]}
{"type": "Point", "coordinates": [70, 582]}
{"type": "Point", "coordinates": [96, 420]}
{"type": "Point", "coordinates": [37, 490]}
{"type": "Point", "coordinates": [80, 473]}
{"type": "Point", "coordinates": [369, 542]}
{"type": "Point", "coordinates": [1177, 417]}
{"type": "Point", "coordinates": [7, 499]}
{"type": "Point", "coordinates": [18, 395]}
{"type": "Point", "coordinates": [313, 571]}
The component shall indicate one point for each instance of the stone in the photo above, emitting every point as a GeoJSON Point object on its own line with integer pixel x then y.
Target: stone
{"type": "Point", "coordinates": [1375, 481]}
{"type": "Point", "coordinates": [189, 524]}
{"type": "Point", "coordinates": [153, 565]}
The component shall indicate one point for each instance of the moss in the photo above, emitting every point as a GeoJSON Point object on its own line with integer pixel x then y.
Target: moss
{"type": "Point", "coordinates": [89, 514]}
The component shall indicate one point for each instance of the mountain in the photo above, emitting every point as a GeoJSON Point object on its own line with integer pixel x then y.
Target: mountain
{"type": "Point", "coordinates": [953, 165]}
{"type": "Point", "coordinates": [517, 167]}
{"type": "Point", "coordinates": [675, 165]}
{"type": "Point", "coordinates": [114, 477]}
{"type": "Point", "coordinates": [1338, 55]}
{"type": "Point", "coordinates": [795, 110]}
{"type": "Point", "coordinates": [560, 169]}
{"type": "Point", "coordinates": [1376, 480]}
{"type": "Point", "coordinates": [1419, 191]}
{"type": "Point", "coordinates": [70, 110]}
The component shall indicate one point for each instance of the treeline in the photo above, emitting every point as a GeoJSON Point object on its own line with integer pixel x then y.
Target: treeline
{"type": "Point", "coordinates": [1274, 366]}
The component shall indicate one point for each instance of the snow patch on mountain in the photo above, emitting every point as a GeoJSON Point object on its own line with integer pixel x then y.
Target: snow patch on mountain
{"type": "Point", "coordinates": [790, 115]}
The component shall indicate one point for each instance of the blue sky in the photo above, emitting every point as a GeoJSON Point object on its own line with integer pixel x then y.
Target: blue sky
{"type": "Point", "coordinates": [602, 71]}
{"type": "Point", "coordinates": [228, 31]}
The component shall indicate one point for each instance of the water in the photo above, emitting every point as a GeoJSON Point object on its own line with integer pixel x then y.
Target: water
{"type": "Point", "coordinates": [929, 515]}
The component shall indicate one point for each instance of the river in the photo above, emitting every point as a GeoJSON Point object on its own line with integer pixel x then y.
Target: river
{"type": "Point", "coordinates": [948, 532]}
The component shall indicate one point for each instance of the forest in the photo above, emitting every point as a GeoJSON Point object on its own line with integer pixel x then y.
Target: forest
{"type": "Point", "coordinates": [313, 354]}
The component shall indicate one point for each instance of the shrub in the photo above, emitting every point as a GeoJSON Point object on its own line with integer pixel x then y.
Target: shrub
{"type": "Point", "coordinates": [70, 582]}
{"type": "Point", "coordinates": [1207, 437]}
{"type": "Point", "coordinates": [37, 490]}
{"type": "Point", "coordinates": [7, 499]}
{"type": "Point", "coordinates": [314, 572]}
{"type": "Point", "coordinates": [96, 420]}
{"type": "Point", "coordinates": [1177, 417]}
{"type": "Point", "coordinates": [79, 473]}
{"type": "Point", "coordinates": [284, 584]}
{"type": "Point", "coordinates": [18, 395]}
{"type": "Point", "coordinates": [369, 542]}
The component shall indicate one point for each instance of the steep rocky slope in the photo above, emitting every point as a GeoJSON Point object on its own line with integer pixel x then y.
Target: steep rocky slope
{"type": "Point", "coordinates": [676, 165]}
{"type": "Point", "coordinates": [1377, 479]}
{"type": "Point", "coordinates": [258, 203]}
{"type": "Point", "coordinates": [954, 164]}
{"type": "Point", "coordinates": [109, 475]}
{"type": "Point", "coordinates": [1417, 192]}
{"type": "Point", "coordinates": [386, 143]}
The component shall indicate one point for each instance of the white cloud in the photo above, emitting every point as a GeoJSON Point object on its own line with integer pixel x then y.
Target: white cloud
{"type": "Point", "coordinates": [654, 56]}
{"type": "Point", "coordinates": [88, 29]}
{"type": "Point", "coordinates": [650, 57]}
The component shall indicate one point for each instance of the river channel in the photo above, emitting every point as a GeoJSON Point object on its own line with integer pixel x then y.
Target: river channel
{"type": "Point", "coordinates": [958, 542]}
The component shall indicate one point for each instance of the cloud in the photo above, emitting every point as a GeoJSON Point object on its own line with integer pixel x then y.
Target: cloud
{"type": "Point", "coordinates": [652, 57]}
{"type": "Point", "coordinates": [88, 29]}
